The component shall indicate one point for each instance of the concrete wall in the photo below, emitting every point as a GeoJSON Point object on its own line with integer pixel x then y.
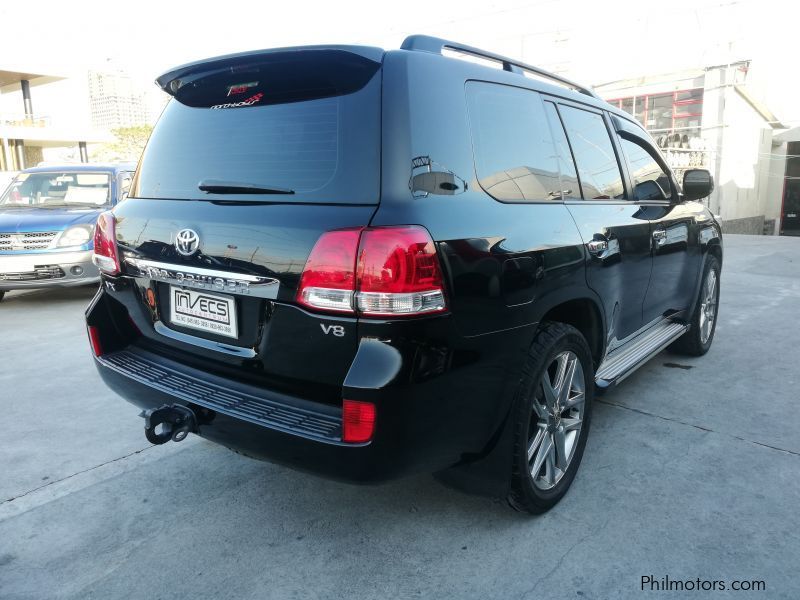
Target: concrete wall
{"type": "Point", "coordinates": [33, 156]}
{"type": "Point", "coordinates": [747, 225]}
{"type": "Point", "coordinates": [743, 137]}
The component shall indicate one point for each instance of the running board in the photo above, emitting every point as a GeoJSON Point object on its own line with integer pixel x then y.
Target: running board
{"type": "Point", "coordinates": [635, 353]}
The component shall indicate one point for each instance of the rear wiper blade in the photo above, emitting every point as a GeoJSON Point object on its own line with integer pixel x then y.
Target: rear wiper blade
{"type": "Point", "coordinates": [214, 186]}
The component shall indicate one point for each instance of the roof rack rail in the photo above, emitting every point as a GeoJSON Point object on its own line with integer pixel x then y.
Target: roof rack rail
{"type": "Point", "coordinates": [427, 43]}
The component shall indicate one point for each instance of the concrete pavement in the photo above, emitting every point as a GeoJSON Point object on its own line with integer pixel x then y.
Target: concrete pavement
{"type": "Point", "coordinates": [692, 470]}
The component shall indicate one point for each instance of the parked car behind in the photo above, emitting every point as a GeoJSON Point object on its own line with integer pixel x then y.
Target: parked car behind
{"type": "Point", "coordinates": [47, 218]}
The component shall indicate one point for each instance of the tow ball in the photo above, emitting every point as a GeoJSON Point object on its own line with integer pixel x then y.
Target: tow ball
{"type": "Point", "coordinates": [177, 422]}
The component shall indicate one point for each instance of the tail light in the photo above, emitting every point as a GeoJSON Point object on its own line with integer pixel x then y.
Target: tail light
{"type": "Point", "coordinates": [398, 272]}
{"type": "Point", "coordinates": [105, 255]}
{"type": "Point", "coordinates": [358, 421]}
{"type": "Point", "coordinates": [329, 278]}
{"type": "Point", "coordinates": [381, 271]}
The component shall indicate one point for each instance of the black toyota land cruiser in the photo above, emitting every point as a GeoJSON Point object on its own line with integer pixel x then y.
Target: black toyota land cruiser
{"type": "Point", "coordinates": [368, 263]}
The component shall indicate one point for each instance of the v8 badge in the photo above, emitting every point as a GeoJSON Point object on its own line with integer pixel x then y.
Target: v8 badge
{"type": "Point", "coordinates": [336, 330]}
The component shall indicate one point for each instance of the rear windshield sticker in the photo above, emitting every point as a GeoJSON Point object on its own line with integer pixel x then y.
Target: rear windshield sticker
{"type": "Point", "coordinates": [240, 88]}
{"type": "Point", "coordinates": [255, 98]}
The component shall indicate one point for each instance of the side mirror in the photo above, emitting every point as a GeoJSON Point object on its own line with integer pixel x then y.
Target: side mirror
{"type": "Point", "coordinates": [697, 183]}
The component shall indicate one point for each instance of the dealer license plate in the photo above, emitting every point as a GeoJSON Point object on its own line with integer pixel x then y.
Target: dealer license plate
{"type": "Point", "coordinates": [200, 310]}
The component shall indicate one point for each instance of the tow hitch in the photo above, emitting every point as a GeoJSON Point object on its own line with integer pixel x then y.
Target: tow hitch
{"type": "Point", "coordinates": [177, 421]}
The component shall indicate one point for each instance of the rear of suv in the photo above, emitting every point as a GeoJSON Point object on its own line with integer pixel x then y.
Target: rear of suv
{"type": "Point", "coordinates": [367, 264]}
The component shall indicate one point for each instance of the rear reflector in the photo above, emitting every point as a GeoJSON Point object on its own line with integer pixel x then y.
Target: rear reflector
{"type": "Point", "coordinates": [94, 340]}
{"type": "Point", "coordinates": [380, 271]}
{"type": "Point", "coordinates": [105, 244]}
{"type": "Point", "coordinates": [358, 421]}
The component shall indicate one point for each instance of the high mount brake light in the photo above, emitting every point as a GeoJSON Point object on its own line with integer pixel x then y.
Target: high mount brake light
{"type": "Point", "coordinates": [380, 271]}
{"type": "Point", "coordinates": [106, 256]}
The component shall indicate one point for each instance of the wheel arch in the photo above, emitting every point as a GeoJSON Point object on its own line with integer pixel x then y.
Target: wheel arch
{"type": "Point", "coordinates": [585, 314]}
{"type": "Point", "coordinates": [491, 473]}
{"type": "Point", "coordinates": [713, 248]}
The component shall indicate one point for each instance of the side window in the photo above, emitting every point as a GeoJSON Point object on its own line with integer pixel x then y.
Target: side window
{"type": "Point", "coordinates": [650, 182]}
{"type": "Point", "coordinates": [566, 165]}
{"type": "Point", "coordinates": [514, 156]}
{"type": "Point", "coordinates": [594, 154]}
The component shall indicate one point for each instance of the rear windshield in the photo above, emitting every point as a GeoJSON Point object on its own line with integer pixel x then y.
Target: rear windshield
{"type": "Point", "coordinates": [296, 127]}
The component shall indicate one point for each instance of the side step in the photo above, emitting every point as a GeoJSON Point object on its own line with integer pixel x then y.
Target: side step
{"type": "Point", "coordinates": [635, 353]}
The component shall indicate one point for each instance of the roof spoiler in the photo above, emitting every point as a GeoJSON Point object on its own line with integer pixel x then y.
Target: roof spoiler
{"type": "Point", "coordinates": [241, 59]}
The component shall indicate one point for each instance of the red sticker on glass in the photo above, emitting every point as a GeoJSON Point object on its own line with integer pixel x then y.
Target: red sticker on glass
{"type": "Point", "coordinates": [241, 88]}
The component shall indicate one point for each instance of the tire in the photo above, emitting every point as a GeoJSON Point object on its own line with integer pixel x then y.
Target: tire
{"type": "Point", "coordinates": [1, 295]}
{"type": "Point", "coordinates": [544, 422]}
{"type": "Point", "coordinates": [698, 339]}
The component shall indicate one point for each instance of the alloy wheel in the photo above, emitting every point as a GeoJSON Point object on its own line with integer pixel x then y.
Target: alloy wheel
{"type": "Point", "coordinates": [708, 306]}
{"type": "Point", "coordinates": [556, 420]}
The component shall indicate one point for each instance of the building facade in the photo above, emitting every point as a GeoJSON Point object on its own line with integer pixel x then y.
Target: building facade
{"type": "Point", "coordinates": [25, 133]}
{"type": "Point", "coordinates": [707, 118]}
{"type": "Point", "coordinates": [115, 101]}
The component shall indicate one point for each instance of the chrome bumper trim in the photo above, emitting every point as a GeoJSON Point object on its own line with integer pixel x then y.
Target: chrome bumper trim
{"type": "Point", "coordinates": [202, 342]}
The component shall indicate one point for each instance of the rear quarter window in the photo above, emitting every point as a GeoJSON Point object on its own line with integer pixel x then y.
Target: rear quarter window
{"type": "Point", "coordinates": [515, 159]}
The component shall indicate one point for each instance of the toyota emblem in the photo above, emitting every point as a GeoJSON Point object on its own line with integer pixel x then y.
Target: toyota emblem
{"type": "Point", "coordinates": [187, 242]}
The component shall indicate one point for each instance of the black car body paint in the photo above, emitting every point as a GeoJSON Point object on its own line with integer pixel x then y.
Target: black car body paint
{"type": "Point", "coordinates": [442, 384]}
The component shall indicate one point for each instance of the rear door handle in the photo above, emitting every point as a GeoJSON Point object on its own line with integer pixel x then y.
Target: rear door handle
{"type": "Point", "coordinates": [660, 237]}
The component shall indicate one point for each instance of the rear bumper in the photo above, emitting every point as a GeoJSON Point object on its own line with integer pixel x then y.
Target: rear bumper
{"type": "Point", "coordinates": [438, 404]}
{"type": "Point", "coordinates": [46, 269]}
{"type": "Point", "coordinates": [270, 427]}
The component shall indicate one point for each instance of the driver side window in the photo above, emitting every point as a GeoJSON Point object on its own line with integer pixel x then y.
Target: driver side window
{"type": "Point", "coordinates": [650, 182]}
